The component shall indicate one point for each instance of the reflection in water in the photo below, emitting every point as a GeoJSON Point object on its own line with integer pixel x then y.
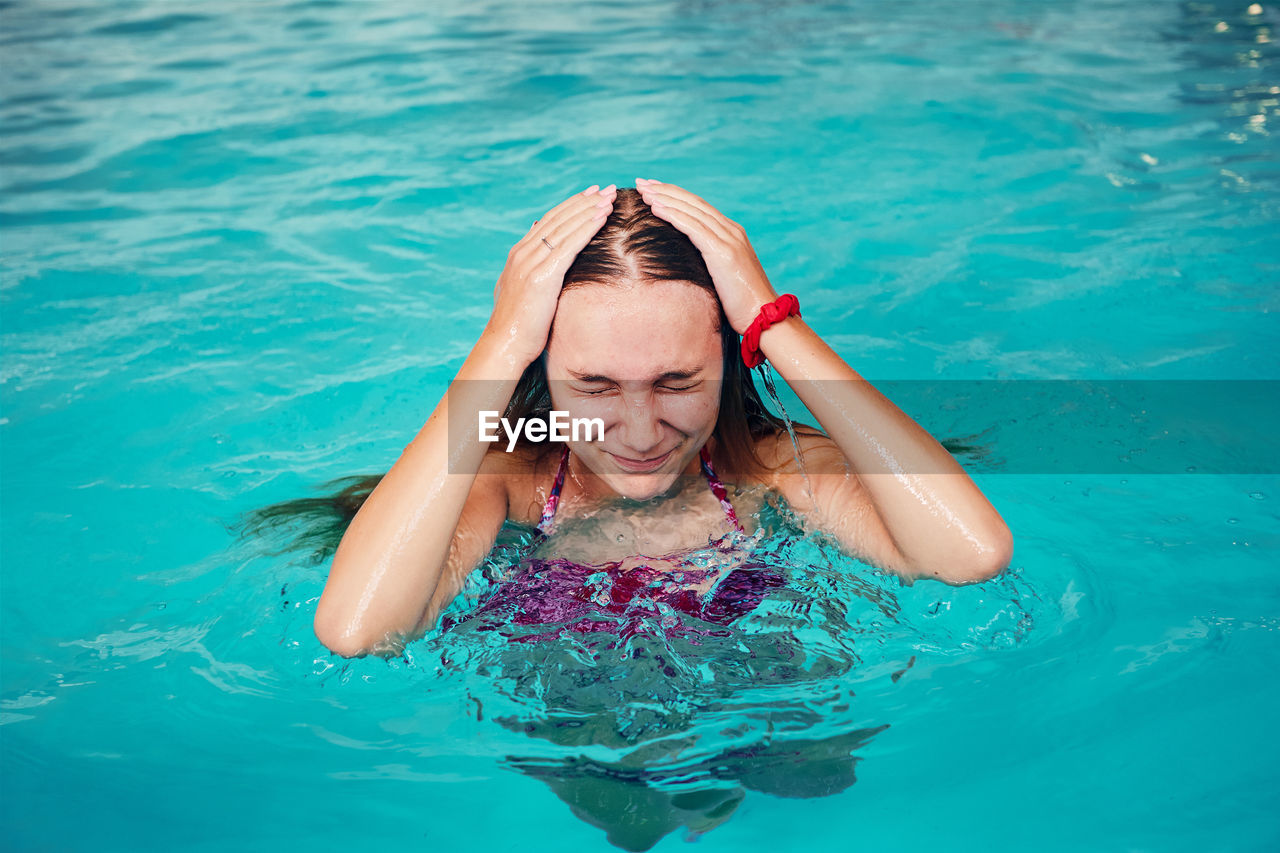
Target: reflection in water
{"type": "Point", "coordinates": [1229, 53]}
{"type": "Point", "coordinates": [636, 808]}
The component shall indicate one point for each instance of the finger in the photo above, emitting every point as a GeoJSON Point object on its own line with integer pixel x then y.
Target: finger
{"type": "Point", "coordinates": [591, 195]}
{"type": "Point", "coordinates": [575, 232]}
{"type": "Point", "coordinates": [685, 216]}
{"type": "Point", "coordinates": [593, 202]}
{"type": "Point", "coordinates": [660, 190]}
{"type": "Point", "coordinates": [567, 209]}
{"type": "Point", "coordinates": [572, 201]}
{"type": "Point", "coordinates": [675, 191]}
{"type": "Point", "coordinates": [546, 242]}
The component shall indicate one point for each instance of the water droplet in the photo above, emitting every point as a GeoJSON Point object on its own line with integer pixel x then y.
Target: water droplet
{"type": "Point", "coordinates": [1233, 521]}
{"type": "Point", "coordinates": [767, 376]}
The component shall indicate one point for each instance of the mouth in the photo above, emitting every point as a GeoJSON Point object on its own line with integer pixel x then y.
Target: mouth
{"type": "Point", "coordinates": [641, 465]}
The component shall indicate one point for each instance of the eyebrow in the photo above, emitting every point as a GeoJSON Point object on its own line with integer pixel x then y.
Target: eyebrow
{"type": "Point", "coordinates": [670, 374]}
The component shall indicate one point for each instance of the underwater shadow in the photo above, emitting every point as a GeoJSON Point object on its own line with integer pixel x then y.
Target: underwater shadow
{"type": "Point", "coordinates": [627, 800]}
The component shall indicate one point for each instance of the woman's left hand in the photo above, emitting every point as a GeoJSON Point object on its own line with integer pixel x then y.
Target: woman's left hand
{"type": "Point", "coordinates": [739, 279]}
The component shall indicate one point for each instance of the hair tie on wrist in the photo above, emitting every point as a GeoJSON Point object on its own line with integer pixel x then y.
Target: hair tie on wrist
{"type": "Point", "coordinates": [780, 309]}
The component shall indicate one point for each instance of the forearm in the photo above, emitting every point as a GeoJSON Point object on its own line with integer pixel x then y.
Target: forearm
{"type": "Point", "coordinates": [392, 555]}
{"type": "Point", "coordinates": [940, 521]}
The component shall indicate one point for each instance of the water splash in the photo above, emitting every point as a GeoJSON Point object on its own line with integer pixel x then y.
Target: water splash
{"type": "Point", "coordinates": [836, 628]}
{"type": "Point", "coordinates": [767, 375]}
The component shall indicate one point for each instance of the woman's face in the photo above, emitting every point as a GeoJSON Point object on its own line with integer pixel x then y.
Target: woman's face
{"type": "Point", "coordinates": [646, 360]}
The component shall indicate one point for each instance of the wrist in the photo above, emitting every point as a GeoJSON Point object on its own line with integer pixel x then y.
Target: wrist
{"type": "Point", "coordinates": [497, 356]}
{"type": "Point", "coordinates": [756, 304]}
{"type": "Point", "coordinates": [770, 314]}
{"type": "Point", "coordinates": [782, 330]}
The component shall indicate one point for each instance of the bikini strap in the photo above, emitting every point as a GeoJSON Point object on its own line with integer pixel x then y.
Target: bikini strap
{"type": "Point", "coordinates": [718, 489]}
{"type": "Point", "coordinates": [553, 499]}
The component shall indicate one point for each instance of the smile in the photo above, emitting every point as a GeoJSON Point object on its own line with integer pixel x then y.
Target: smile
{"type": "Point", "coordinates": [637, 465]}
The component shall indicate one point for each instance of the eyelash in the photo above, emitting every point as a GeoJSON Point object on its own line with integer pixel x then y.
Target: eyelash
{"type": "Point", "coordinates": [667, 387]}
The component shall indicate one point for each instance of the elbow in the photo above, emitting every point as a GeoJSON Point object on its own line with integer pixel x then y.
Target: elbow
{"type": "Point", "coordinates": [340, 642]}
{"type": "Point", "coordinates": [340, 639]}
{"type": "Point", "coordinates": [991, 562]}
{"type": "Point", "coordinates": [986, 563]}
{"type": "Point", "coordinates": [996, 559]}
{"type": "Point", "coordinates": [336, 632]}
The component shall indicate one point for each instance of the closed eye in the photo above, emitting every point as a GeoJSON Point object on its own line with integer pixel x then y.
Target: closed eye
{"type": "Point", "coordinates": [664, 387]}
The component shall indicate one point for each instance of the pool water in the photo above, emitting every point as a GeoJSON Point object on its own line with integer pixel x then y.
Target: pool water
{"type": "Point", "coordinates": [247, 245]}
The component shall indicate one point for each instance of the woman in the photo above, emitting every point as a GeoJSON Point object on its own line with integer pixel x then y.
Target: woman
{"type": "Point", "coordinates": [649, 290]}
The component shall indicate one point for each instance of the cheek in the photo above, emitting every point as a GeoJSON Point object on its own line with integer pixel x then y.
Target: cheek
{"type": "Point", "coordinates": [694, 410]}
{"type": "Point", "coordinates": [580, 407]}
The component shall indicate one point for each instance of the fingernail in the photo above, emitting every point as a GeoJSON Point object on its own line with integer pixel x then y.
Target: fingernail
{"type": "Point", "coordinates": [589, 190]}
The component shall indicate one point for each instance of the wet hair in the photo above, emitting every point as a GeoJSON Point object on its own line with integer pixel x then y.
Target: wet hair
{"type": "Point", "coordinates": [633, 246]}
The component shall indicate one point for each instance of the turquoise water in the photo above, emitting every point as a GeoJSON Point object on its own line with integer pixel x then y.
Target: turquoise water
{"type": "Point", "coordinates": [246, 246]}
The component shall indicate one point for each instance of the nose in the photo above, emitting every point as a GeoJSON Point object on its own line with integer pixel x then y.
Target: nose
{"type": "Point", "coordinates": [641, 430]}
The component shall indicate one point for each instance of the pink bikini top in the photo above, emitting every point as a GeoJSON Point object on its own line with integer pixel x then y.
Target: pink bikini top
{"type": "Point", "coordinates": [717, 488]}
{"type": "Point", "coordinates": [560, 591]}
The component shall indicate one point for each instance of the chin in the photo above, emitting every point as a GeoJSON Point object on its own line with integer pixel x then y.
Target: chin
{"type": "Point", "coordinates": [642, 487]}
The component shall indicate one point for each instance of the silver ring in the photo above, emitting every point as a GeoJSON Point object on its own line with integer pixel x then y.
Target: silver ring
{"type": "Point", "coordinates": [548, 245]}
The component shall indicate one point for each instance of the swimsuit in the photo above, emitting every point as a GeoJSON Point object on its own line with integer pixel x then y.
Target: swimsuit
{"type": "Point", "coordinates": [561, 591]}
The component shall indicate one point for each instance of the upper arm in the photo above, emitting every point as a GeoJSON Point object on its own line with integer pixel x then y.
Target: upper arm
{"type": "Point", "coordinates": [840, 504]}
{"type": "Point", "coordinates": [482, 517]}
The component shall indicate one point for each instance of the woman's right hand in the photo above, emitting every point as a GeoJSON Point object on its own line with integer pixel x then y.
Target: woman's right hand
{"type": "Point", "coordinates": [525, 298]}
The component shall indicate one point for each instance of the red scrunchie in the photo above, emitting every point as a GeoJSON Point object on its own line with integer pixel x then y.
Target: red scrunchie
{"type": "Point", "coordinates": [772, 312]}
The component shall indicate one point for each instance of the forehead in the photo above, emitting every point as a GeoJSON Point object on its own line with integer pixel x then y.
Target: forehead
{"type": "Point", "coordinates": [635, 331]}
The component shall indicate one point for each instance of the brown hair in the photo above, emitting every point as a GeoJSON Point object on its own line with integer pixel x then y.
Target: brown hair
{"type": "Point", "coordinates": [634, 246]}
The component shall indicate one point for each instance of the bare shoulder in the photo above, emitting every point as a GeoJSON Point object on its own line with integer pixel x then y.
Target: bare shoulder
{"type": "Point", "coordinates": [526, 472]}
{"type": "Point", "coordinates": [750, 492]}
{"type": "Point", "coordinates": [820, 452]}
